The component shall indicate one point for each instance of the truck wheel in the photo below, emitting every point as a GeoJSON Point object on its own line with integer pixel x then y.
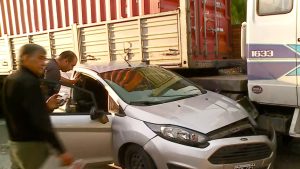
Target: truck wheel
{"type": "Point", "coordinates": [137, 158]}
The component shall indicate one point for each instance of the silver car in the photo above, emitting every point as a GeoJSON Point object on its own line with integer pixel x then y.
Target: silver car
{"type": "Point", "coordinates": [157, 120]}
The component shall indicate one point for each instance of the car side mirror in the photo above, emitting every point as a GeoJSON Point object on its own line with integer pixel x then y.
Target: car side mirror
{"type": "Point", "coordinates": [98, 115]}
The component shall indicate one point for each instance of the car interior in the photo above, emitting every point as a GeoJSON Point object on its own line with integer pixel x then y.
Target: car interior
{"type": "Point", "coordinates": [83, 101]}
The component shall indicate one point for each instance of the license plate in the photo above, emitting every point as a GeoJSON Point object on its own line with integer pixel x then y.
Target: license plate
{"type": "Point", "coordinates": [245, 166]}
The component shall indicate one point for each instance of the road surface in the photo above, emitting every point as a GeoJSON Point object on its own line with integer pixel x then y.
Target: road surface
{"type": "Point", "coordinates": [288, 156]}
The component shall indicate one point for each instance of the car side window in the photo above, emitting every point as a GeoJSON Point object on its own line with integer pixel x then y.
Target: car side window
{"type": "Point", "coordinates": [94, 86]}
{"type": "Point", "coordinates": [81, 102]}
{"type": "Point", "coordinates": [74, 101]}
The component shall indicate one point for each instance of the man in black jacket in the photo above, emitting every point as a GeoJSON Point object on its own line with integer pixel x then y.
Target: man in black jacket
{"type": "Point", "coordinates": [27, 113]}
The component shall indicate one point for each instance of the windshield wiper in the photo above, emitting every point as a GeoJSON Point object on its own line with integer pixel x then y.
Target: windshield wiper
{"type": "Point", "coordinates": [183, 95]}
{"type": "Point", "coordinates": [144, 103]}
{"type": "Point", "coordinates": [150, 103]}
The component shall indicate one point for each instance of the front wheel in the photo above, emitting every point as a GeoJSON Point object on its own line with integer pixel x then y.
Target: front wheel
{"type": "Point", "coordinates": [137, 158]}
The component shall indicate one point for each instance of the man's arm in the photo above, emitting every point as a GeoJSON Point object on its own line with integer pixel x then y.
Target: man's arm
{"type": "Point", "coordinates": [34, 103]}
{"type": "Point", "coordinates": [36, 106]}
{"type": "Point", "coordinates": [68, 81]}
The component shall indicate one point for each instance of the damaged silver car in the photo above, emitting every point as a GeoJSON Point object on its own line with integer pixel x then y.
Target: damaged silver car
{"type": "Point", "coordinates": [157, 120]}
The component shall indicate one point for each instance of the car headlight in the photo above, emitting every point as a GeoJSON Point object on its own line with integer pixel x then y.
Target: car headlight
{"type": "Point", "coordinates": [180, 135]}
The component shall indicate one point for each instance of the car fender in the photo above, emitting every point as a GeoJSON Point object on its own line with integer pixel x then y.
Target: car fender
{"type": "Point", "coordinates": [127, 130]}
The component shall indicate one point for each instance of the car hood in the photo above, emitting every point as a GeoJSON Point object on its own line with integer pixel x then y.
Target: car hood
{"type": "Point", "coordinates": [203, 113]}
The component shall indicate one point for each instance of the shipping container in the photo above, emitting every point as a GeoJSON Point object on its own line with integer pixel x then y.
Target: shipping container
{"type": "Point", "coordinates": [173, 33]}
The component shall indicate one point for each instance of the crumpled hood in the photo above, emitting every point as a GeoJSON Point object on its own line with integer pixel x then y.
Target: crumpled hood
{"type": "Point", "coordinates": [203, 113]}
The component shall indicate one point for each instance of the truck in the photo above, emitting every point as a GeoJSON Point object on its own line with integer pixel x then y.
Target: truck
{"type": "Point", "coordinates": [271, 48]}
{"type": "Point", "coordinates": [191, 37]}
{"type": "Point", "coordinates": [171, 33]}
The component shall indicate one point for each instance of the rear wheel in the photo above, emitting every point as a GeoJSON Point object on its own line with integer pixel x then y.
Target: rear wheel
{"type": "Point", "coordinates": [137, 158]}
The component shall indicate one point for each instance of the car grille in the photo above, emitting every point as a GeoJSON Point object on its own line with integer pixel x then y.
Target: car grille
{"type": "Point", "coordinates": [240, 153]}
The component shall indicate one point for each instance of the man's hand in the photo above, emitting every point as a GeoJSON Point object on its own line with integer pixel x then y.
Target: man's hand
{"type": "Point", "coordinates": [53, 102]}
{"type": "Point", "coordinates": [76, 78]}
{"type": "Point", "coordinates": [66, 159]}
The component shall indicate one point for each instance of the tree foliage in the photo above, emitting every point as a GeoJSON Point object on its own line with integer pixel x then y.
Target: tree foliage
{"type": "Point", "coordinates": [238, 11]}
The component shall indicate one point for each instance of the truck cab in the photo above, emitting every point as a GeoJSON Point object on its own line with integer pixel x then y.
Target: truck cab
{"type": "Point", "coordinates": [273, 59]}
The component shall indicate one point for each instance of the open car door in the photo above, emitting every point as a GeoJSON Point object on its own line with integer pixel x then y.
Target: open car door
{"type": "Point", "coordinates": [78, 126]}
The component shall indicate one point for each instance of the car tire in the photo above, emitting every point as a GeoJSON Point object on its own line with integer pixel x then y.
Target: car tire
{"type": "Point", "coordinates": [137, 158]}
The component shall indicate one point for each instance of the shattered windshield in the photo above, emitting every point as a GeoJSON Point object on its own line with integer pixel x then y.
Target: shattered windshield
{"type": "Point", "coordinates": [149, 85]}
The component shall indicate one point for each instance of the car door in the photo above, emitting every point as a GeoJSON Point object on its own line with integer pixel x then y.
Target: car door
{"type": "Point", "coordinates": [83, 137]}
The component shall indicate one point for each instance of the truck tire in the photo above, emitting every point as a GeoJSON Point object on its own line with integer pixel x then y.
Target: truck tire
{"type": "Point", "coordinates": [137, 158]}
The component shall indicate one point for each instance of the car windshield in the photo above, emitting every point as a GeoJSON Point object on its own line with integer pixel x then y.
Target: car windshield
{"type": "Point", "coordinates": [149, 85]}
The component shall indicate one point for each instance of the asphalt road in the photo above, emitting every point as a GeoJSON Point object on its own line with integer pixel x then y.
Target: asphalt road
{"type": "Point", "coordinates": [288, 155]}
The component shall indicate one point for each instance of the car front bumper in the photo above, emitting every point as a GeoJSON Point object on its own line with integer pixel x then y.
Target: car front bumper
{"type": "Point", "coordinates": [169, 155]}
